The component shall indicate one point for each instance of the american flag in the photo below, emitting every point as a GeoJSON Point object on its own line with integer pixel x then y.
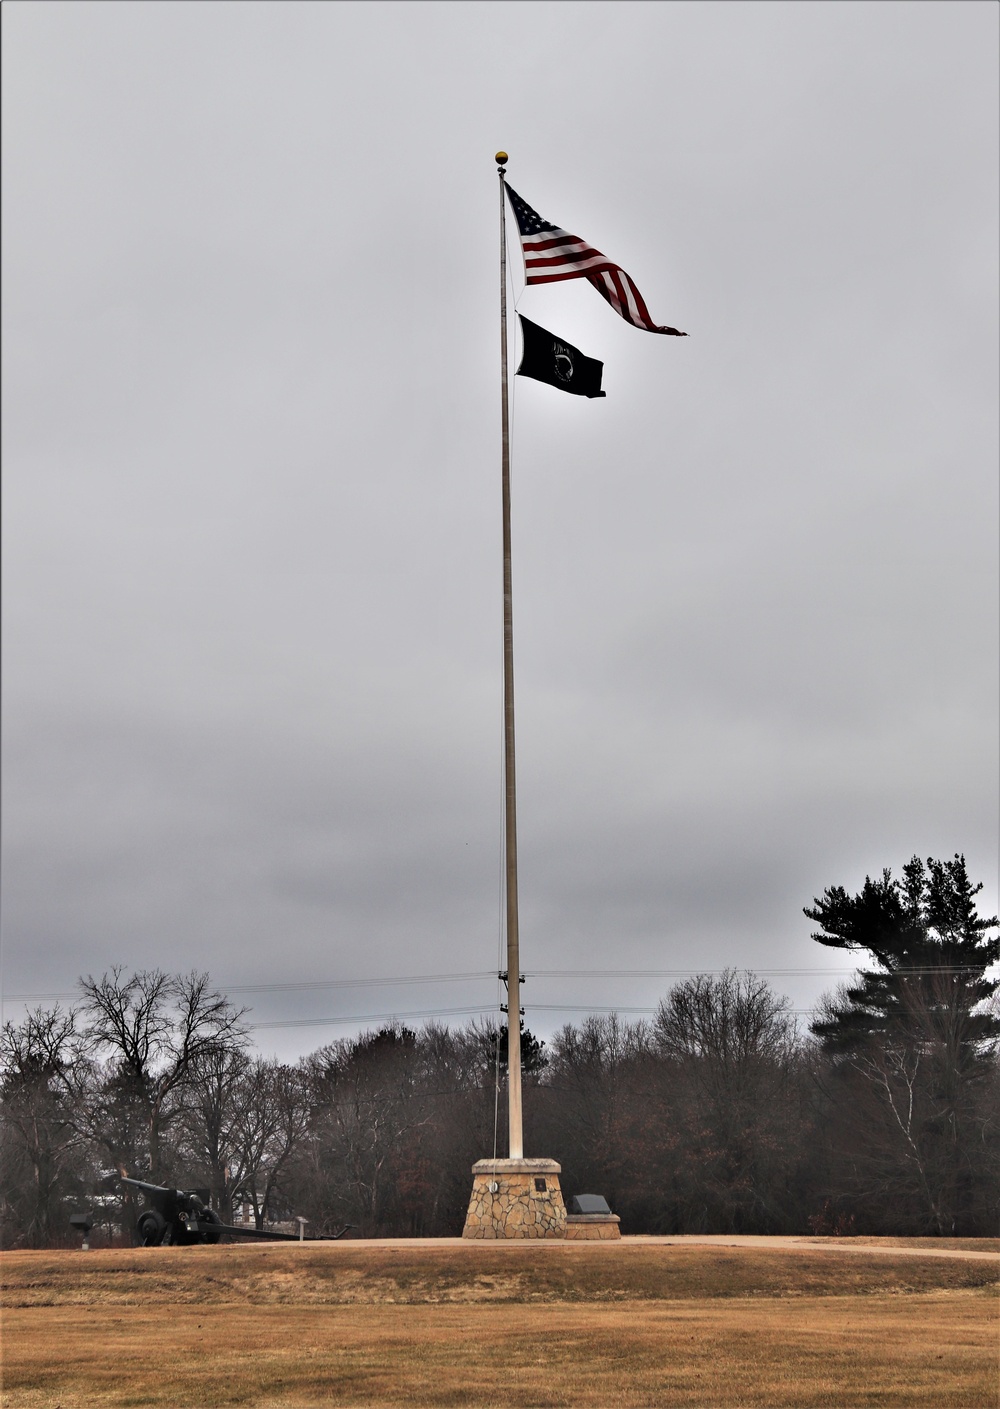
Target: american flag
{"type": "Point", "coordinates": [551, 254]}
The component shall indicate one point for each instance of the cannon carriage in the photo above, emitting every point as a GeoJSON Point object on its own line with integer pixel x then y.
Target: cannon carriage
{"type": "Point", "coordinates": [180, 1217]}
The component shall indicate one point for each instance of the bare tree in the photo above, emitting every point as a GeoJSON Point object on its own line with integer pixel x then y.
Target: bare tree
{"type": "Point", "coordinates": [731, 1060]}
{"type": "Point", "coordinates": [211, 1123]}
{"type": "Point", "coordinates": [597, 1104]}
{"type": "Point", "coordinates": [270, 1120]}
{"type": "Point", "coordinates": [370, 1101]}
{"type": "Point", "coordinates": [42, 1077]}
{"type": "Point", "coordinates": [150, 1029]}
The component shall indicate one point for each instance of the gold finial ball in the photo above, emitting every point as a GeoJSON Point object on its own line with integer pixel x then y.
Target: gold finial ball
{"type": "Point", "coordinates": [501, 157]}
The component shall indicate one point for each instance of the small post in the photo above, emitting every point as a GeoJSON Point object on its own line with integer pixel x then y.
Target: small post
{"type": "Point", "coordinates": [83, 1223]}
{"type": "Point", "coordinates": [302, 1226]}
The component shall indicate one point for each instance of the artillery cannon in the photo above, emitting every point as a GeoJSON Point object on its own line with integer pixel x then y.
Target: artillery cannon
{"type": "Point", "coordinates": [181, 1217]}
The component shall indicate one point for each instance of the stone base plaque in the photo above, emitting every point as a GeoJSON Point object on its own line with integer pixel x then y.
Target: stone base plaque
{"type": "Point", "coordinates": [601, 1227]}
{"type": "Point", "coordinates": [516, 1198]}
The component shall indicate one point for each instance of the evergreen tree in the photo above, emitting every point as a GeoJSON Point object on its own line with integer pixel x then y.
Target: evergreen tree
{"type": "Point", "coordinates": [911, 1118]}
{"type": "Point", "coordinates": [931, 949]}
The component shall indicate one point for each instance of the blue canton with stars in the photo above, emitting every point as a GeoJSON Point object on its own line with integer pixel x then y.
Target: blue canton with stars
{"type": "Point", "coordinates": [529, 222]}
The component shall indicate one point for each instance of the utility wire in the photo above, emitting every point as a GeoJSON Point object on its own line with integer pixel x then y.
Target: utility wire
{"type": "Point", "coordinates": [375, 1017]}
{"type": "Point", "coordinates": [483, 1011]}
{"type": "Point", "coordinates": [310, 985]}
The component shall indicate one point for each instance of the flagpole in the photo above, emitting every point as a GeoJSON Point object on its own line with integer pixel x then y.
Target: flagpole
{"type": "Point", "coordinates": [515, 1137]}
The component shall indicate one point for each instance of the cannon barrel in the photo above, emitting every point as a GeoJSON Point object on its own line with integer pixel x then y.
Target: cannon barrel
{"type": "Point", "coordinates": [147, 1188]}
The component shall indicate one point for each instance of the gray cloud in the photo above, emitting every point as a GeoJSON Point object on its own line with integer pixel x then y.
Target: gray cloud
{"type": "Point", "coordinates": [251, 488]}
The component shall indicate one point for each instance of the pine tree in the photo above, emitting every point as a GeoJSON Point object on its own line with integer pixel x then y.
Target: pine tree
{"type": "Point", "coordinates": [911, 1121]}
{"type": "Point", "coordinates": [932, 950]}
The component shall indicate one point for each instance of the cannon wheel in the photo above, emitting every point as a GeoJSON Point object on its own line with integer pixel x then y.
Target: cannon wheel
{"type": "Point", "coordinates": [151, 1227]}
{"type": "Point", "coordinates": [210, 1216]}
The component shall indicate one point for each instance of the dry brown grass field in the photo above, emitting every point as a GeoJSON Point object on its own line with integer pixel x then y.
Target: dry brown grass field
{"type": "Point", "coordinates": [727, 1322]}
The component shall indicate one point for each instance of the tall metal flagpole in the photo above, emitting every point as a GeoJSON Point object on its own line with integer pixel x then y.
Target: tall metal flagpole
{"type": "Point", "coordinates": [516, 1140]}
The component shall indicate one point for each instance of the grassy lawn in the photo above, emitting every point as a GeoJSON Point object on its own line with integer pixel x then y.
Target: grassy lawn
{"type": "Point", "coordinates": [602, 1325]}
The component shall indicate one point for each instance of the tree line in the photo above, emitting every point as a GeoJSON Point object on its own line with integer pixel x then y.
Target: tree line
{"type": "Point", "coordinates": [717, 1115]}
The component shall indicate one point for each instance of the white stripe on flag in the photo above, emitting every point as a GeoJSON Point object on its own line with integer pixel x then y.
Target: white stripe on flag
{"type": "Point", "coordinates": [609, 284]}
{"type": "Point", "coordinates": [540, 265]}
{"type": "Point", "coordinates": [629, 288]}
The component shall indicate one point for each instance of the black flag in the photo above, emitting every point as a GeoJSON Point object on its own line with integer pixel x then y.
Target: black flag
{"type": "Point", "coordinates": [547, 358]}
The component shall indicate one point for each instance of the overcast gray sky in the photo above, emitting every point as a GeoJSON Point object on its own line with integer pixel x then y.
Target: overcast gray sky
{"type": "Point", "coordinates": [252, 501]}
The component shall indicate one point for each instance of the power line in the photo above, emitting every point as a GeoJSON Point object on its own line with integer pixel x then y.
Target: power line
{"type": "Point", "coordinates": [304, 987]}
{"type": "Point", "coordinates": [373, 1017]}
{"type": "Point", "coordinates": [469, 1012]}
{"type": "Point", "coordinates": [358, 982]}
{"type": "Point", "coordinates": [671, 973]}
{"type": "Point", "coordinates": [311, 985]}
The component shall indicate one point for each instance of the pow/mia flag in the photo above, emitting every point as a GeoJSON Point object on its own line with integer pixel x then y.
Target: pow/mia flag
{"type": "Point", "coordinates": [547, 358]}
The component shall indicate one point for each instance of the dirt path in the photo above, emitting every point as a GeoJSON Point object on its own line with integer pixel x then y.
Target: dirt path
{"type": "Point", "coordinates": [987, 1249]}
{"type": "Point", "coordinates": [800, 1244]}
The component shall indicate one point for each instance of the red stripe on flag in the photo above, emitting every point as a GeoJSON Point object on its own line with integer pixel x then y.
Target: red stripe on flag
{"type": "Point", "coordinates": [547, 242]}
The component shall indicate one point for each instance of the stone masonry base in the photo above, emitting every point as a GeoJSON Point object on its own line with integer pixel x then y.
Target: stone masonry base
{"type": "Point", "coordinates": [593, 1225]}
{"type": "Point", "coordinates": [516, 1198]}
